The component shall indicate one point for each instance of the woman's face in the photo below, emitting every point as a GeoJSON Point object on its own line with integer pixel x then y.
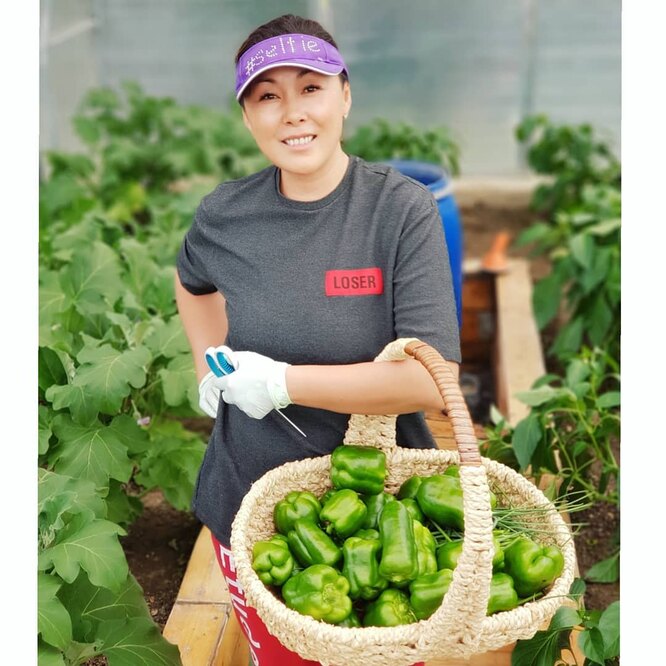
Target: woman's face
{"type": "Point", "coordinates": [295, 116]}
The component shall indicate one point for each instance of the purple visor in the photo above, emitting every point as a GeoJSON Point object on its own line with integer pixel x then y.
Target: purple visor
{"type": "Point", "coordinates": [293, 50]}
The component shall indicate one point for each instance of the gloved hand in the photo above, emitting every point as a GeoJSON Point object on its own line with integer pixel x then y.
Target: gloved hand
{"type": "Point", "coordinates": [257, 386]}
{"type": "Point", "coordinates": [209, 392]}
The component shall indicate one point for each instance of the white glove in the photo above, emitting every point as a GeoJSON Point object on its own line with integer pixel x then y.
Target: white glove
{"type": "Point", "coordinates": [257, 387]}
{"type": "Point", "coordinates": [209, 392]}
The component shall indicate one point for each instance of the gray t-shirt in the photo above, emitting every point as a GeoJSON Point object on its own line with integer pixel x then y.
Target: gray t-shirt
{"type": "Point", "coordinates": [330, 281]}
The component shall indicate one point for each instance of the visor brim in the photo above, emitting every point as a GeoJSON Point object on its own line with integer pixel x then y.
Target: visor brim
{"type": "Point", "coordinates": [330, 69]}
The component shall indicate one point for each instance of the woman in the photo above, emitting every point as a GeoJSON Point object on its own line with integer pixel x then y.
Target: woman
{"type": "Point", "coordinates": [306, 270]}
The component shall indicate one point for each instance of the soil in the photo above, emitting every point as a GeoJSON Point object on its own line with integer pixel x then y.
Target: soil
{"type": "Point", "coordinates": [160, 541]}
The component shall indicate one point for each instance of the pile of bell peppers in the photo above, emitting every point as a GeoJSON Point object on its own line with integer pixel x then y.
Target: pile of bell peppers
{"type": "Point", "coordinates": [360, 556]}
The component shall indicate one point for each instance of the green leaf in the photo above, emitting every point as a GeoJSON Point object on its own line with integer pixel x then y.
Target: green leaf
{"type": "Point", "coordinates": [92, 281]}
{"type": "Point", "coordinates": [53, 621]}
{"type": "Point", "coordinates": [61, 496]}
{"type": "Point", "coordinates": [565, 618]}
{"type": "Point", "coordinates": [47, 655]}
{"type": "Point", "coordinates": [121, 508]}
{"type": "Point", "coordinates": [605, 227]}
{"type": "Point", "coordinates": [52, 300]}
{"type": "Point", "coordinates": [110, 374]}
{"type": "Point", "coordinates": [93, 547]}
{"type": "Point", "coordinates": [569, 339]}
{"type": "Point", "coordinates": [44, 432]}
{"type": "Point", "coordinates": [175, 457]}
{"type": "Point", "coordinates": [546, 298]}
{"type": "Point", "coordinates": [137, 642]}
{"type": "Point", "coordinates": [609, 626]}
{"type": "Point", "coordinates": [577, 372]}
{"type": "Point", "coordinates": [609, 399]}
{"type": "Point", "coordinates": [130, 434]}
{"type": "Point", "coordinates": [582, 249]}
{"type": "Point", "coordinates": [541, 395]}
{"type": "Point", "coordinates": [179, 382]}
{"type": "Point", "coordinates": [83, 405]}
{"type": "Point", "coordinates": [591, 642]}
{"type": "Point", "coordinates": [600, 320]}
{"type": "Point", "coordinates": [90, 452]}
{"type": "Point", "coordinates": [605, 571]}
{"type": "Point", "coordinates": [577, 588]}
{"type": "Point", "coordinates": [534, 233]}
{"type": "Point", "coordinates": [168, 339]}
{"type": "Point", "coordinates": [526, 437]}
{"type": "Point", "coordinates": [53, 367]}
{"type": "Point", "coordinates": [496, 417]}
{"type": "Point", "coordinates": [90, 605]}
{"type": "Point", "coordinates": [543, 649]}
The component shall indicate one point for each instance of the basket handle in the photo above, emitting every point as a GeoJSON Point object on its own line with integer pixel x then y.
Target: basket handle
{"type": "Point", "coordinates": [379, 430]}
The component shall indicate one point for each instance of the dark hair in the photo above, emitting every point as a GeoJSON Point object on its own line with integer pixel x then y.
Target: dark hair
{"type": "Point", "coordinates": [284, 25]}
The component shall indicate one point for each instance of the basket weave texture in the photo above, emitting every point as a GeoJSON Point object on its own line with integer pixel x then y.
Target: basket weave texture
{"type": "Point", "coordinates": [460, 627]}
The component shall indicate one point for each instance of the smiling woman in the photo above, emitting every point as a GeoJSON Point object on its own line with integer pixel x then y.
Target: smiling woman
{"type": "Point", "coordinates": [301, 274]}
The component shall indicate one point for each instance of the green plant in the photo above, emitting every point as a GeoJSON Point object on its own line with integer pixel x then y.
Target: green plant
{"type": "Point", "coordinates": [583, 246]}
{"type": "Point", "coordinates": [572, 154]}
{"type": "Point", "coordinates": [596, 632]}
{"type": "Point", "coordinates": [382, 140]}
{"type": "Point", "coordinates": [570, 430]}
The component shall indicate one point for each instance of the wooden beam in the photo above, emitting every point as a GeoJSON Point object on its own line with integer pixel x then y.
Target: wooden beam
{"type": "Point", "coordinates": [519, 355]}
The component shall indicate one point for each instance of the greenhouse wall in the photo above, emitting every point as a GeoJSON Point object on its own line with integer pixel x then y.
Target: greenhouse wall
{"type": "Point", "coordinates": [476, 67]}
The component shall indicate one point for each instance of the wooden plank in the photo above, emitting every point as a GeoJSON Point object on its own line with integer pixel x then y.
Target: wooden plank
{"type": "Point", "coordinates": [197, 630]}
{"type": "Point", "coordinates": [203, 580]}
{"type": "Point", "coordinates": [234, 649]}
{"type": "Point", "coordinates": [519, 356]}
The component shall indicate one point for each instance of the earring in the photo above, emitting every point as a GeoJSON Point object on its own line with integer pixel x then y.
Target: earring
{"type": "Point", "coordinates": [345, 116]}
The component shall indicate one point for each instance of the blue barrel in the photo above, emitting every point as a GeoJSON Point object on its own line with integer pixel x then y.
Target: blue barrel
{"type": "Point", "coordinates": [438, 181]}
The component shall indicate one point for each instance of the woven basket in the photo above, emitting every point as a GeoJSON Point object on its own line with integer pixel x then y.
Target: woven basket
{"type": "Point", "coordinates": [460, 627]}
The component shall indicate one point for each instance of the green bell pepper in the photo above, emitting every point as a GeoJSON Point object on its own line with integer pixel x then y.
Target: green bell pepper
{"type": "Point", "coordinates": [425, 549]}
{"type": "Point", "coordinates": [367, 534]}
{"type": "Point", "coordinates": [427, 592]}
{"type": "Point", "coordinates": [532, 566]}
{"type": "Point", "coordinates": [375, 504]}
{"type": "Point", "coordinates": [449, 552]}
{"type": "Point", "coordinates": [272, 560]}
{"type": "Point", "coordinates": [410, 487]}
{"type": "Point", "coordinates": [320, 591]}
{"type": "Point", "coordinates": [414, 509]}
{"type": "Point", "coordinates": [361, 567]}
{"type": "Point", "coordinates": [343, 513]}
{"type": "Point", "coordinates": [351, 621]}
{"type": "Point", "coordinates": [359, 468]}
{"type": "Point", "coordinates": [311, 545]}
{"type": "Point", "coordinates": [503, 596]}
{"type": "Point", "coordinates": [399, 560]}
{"type": "Point", "coordinates": [441, 499]}
{"type": "Point", "coordinates": [297, 504]}
{"type": "Point", "coordinates": [390, 609]}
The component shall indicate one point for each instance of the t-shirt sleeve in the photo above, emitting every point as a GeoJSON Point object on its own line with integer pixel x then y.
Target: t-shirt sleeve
{"type": "Point", "coordinates": [190, 263]}
{"type": "Point", "coordinates": [424, 302]}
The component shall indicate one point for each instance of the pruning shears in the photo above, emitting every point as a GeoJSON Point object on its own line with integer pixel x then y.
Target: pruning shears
{"type": "Point", "coordinates": [221, 366]}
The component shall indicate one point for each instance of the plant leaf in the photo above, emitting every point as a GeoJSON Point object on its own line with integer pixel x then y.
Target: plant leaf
{"type": "Point", "coordinates": [543, 649]}
{"type": "Point", "coordinates": [591, 642]}
{"type": "Point", "coordinates": [526, 437]}
{"type": "Point", "coordinates": [168, 339]}
{"type": "Point", "coordinates": [109, 374]}
{"type": "Point", "coordinates": [179, 382]}
{"type": "Point", "coordinates": [91, 606]}
{"type": "Point", "coordinates": [546, 298]}
{"type": "Point", "coordinates": [93, 547]}
{"type": "Point", "coordinates": [541, 395]}
{"type": "Point", "coordinates": [609, 626]}
{"type": "Point", "coordinates": [137, 642]}
{"type": "Point", "coordinates": [608, 400]}
{"type": "Point", "coordinates": [47, 655]}
{"type": "Point", "coordinates": [582, 249]}
{"type": "Point", "coordinates": [605, 571]}
{"type": "Point", "coordinates": [53, 621]}
{"type": "Point", "coordinates": [90, 452]}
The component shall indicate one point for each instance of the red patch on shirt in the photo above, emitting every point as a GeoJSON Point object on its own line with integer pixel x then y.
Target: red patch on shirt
{"type": "Point", "coordinates": [354, 282]}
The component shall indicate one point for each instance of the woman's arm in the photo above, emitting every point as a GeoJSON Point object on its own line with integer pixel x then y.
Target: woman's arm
{"type": "Point", "coordinates": [205, 322]}
{"type": "Point", "coordinates": [386, 387]}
